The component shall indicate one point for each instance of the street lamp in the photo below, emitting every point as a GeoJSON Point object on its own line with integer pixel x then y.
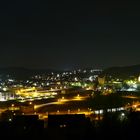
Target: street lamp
{"type": "Point", "coordinates": [30, 103]}
{"type": "Point", "coordinates": [68, 110]}
{"type": "Point", "coordinates": [78, 109]}
{"type": "Point", "coordinates": [63, 97]}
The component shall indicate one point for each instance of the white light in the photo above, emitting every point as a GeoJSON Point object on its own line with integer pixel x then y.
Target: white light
{"type": "Point", "coordinates": [10, 120]}
{"type": "Point", "coordinates": [91, 78]}
{"type": "Point", "coordinates": [113, 110]}
{"type": "Point", "coordinates": [4, 89]}
{"type": "Point", "coordinates": [101, 111]}
{"type": "Point", "coordinates": [10, 80]}
{"type": "Point", "coordinates": [97, 112]}
{"type": "Point", "coordinates": [122, 108]}
{"type": "Point", "coordinates": [54, 93]}
{"type": "Point", "coordinates": [75, 79]}
{"type": "Point", "coordinates": [108, 110]}
{"type": "Point", "coordinates": [135, 86]}
{"type": "Point", "coordinates": [84, 71]}
{"type": "Point", "coordinates": [122, 114]}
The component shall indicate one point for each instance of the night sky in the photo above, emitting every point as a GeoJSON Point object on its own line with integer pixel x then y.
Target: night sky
{"type": "Point", "coordinates": [69, 34]}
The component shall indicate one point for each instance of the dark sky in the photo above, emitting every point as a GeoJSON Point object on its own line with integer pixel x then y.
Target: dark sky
{"type": "Point", "coordinates": [69, 34]}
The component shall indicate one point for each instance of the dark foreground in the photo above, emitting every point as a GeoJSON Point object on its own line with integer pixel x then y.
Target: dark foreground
{"type": "Point", "coordinates": [68, 127]}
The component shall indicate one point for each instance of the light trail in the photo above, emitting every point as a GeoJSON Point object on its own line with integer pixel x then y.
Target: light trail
{"type": "Point", "coordinates": [60, 101]}
{"type": "Point", "coordinates": [130, 97]}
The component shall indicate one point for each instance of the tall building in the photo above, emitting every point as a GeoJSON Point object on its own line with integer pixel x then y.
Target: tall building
{"type": "Point", "coordinates": [139, 78]}
{"type": "Point", "coordinates": [101, 80]}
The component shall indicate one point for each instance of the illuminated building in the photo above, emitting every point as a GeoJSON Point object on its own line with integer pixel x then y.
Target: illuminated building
{"type": "Point", "coordinates": [139, 78]}
{"type": "Point", "coordinates": [101, 80]}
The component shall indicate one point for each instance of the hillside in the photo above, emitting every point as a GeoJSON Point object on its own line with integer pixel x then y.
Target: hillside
{"type": "Point", "coordinates": [23, 73]}
{"type": "Point", "coordinates": [123, 72]}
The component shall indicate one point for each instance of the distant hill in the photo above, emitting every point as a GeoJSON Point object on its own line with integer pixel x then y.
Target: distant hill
{"type": "Point", "coordinates": [23, 73]}
{"type": "Point", "coordinates": [123, 72]}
